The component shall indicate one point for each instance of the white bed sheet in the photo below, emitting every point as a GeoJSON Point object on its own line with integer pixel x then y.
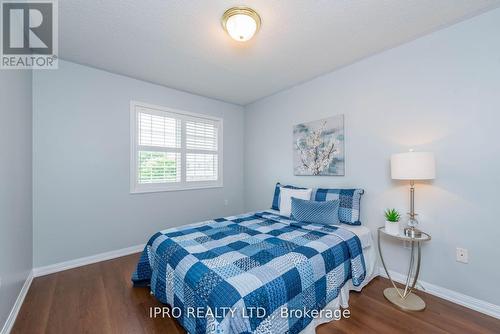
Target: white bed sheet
{"type": "Point", "coordinates": [364, 234]}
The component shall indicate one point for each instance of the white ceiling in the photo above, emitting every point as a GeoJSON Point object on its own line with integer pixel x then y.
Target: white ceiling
{"type": "Point", "coordinates": [180, 43]}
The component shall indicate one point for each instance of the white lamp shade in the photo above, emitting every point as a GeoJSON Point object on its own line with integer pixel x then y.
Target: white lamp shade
{"type": "Point", "coordinates": [413, 166]}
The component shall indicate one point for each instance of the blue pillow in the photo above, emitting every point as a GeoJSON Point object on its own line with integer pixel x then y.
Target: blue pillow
{"type": "Point", "coordinates": [277, 191]}
{"type": "Point", "coordinates": [326, 212]}
{"type": "Point", "coordinates": [350, 202]}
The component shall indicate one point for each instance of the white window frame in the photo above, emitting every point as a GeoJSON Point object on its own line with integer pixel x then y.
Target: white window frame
{"type": "Point", "coordinates": [136, 187]}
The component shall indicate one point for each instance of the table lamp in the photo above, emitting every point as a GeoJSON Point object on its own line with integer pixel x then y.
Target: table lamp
{"type": "Point", "coordinates": [413, 166]}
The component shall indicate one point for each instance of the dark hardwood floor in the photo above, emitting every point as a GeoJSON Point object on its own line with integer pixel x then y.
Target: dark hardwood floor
{"type": "Point", "coordinates": [99, 298]}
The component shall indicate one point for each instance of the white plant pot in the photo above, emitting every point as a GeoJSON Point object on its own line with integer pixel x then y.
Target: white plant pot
{"type": "Point", "coordinates": [392, 228]}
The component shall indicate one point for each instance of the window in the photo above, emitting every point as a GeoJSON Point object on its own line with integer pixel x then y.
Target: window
{"type": "Point", "coordinates": [173, 150]}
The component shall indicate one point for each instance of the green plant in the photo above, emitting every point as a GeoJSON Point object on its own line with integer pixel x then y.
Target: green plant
{"type": "Point", "coordinates": [392, 215]}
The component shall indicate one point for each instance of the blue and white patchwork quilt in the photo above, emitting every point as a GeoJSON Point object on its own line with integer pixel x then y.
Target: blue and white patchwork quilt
{"type": "Point", "coordinates": [245, 270]}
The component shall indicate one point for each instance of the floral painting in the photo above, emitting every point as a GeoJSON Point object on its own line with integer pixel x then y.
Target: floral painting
{"type": "Point", "coordinates": [319, 147]}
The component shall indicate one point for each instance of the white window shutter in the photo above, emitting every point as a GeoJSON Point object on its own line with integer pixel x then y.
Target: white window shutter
{"type": "Point", "coordinates": [160, 131]}
{"type": "Point", "coordinates": [173, 150]}
{"type": "Point", "coordinates": [201, 151]}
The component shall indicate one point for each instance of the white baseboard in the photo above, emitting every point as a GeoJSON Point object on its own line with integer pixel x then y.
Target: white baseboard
{"type": "Point", "coordinates": [9, 323]}
{"type": "Point", "coordinates": [54, 268]}
{"type": "Point", "coordinates": [450, 295]}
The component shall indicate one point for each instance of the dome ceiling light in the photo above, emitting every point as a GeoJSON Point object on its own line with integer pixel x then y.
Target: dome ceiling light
{"type": "Point", "coordinates": [241, 23]}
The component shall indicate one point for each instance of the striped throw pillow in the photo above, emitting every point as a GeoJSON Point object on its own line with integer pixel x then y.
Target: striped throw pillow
{"type": "Point", "coordinates": [326, 212]}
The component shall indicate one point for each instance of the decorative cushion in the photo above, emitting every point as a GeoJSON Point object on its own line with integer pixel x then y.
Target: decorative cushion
{"type": "Point", "coordinates": [277, 192]}
{"type": "Point", "coordinates": [326, 212]}
{"type": "Point", "coordinates": [286, 199]}
{"type": "Point", "coordinates": [349, 203]}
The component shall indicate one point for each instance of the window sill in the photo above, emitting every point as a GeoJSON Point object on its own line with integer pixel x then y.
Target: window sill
{"type": "Point", "coordinates": [161, 190]}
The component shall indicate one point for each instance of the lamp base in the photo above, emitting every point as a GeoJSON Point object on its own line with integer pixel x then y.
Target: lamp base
{"type": "Point", "coordinates": [412, 232]}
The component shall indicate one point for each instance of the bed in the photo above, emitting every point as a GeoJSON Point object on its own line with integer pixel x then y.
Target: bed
{"type": "Point", "coordinates": [237, 274]}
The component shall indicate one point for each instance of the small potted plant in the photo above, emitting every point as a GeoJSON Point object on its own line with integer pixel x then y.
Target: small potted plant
{"type": "Point", "coordinates": [392, 218]}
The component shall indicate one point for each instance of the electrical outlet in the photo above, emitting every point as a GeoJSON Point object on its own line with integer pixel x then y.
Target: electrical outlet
{"type": "Point", "coordinates": [226, 202]}
{"type": "Point", "coordinates": [462, 255]}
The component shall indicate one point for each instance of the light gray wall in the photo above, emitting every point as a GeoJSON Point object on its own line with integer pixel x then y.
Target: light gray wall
{"type": "Point", "coordinates": [16, 237]}
{"type": "Point", "coordinates": [82, 204]}
{"type": "Point", "coordinates": [440, 93]}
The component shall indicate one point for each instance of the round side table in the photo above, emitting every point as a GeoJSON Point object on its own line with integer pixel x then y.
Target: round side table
{"type": "Point", "coordinates": [405, 298]}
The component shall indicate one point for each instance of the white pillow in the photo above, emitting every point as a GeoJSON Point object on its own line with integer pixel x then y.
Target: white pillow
{"type": "Point", "coordinates": [286, 195]}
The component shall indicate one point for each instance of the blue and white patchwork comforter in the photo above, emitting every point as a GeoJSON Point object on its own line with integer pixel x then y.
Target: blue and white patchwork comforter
{"type": "Point", "coordinates": [244, 270]}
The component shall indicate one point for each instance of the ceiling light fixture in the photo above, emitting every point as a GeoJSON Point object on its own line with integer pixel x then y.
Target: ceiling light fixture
{"type": "Point", "coordinates": [241, 23]}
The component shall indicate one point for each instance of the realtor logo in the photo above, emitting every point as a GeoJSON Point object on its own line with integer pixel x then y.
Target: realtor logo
{"type": "Point", "coordinates": [29, 34]}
